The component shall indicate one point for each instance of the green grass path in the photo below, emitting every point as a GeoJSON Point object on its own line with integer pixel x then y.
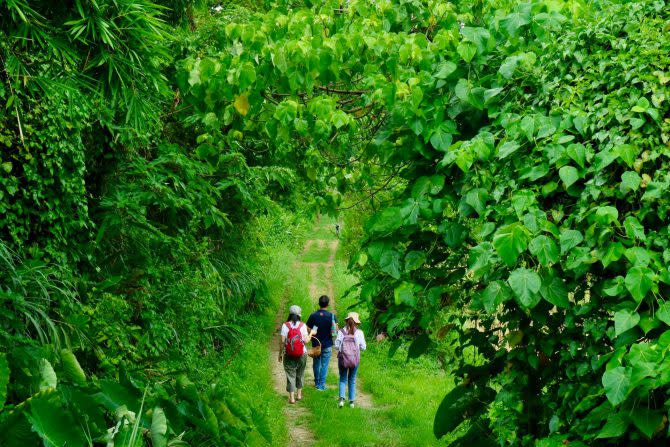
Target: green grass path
{"type": "Point", "coordinates": [398, 398]}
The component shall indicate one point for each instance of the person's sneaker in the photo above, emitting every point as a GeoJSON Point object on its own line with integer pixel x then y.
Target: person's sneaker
{"type": "Point", "coordinates": [341, 404]}
{"type": "Point", "coordinates": [351, 404]}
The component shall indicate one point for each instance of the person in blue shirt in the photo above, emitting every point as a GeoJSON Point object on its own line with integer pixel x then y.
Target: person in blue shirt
{"type": "Point", "coordinates": [326, 324]}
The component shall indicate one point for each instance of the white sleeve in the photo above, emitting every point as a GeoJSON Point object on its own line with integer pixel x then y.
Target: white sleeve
{"type": "Point", "coordinates": [361, 340]}
{"type": "Point", "coordinates": [284, 330]}
{"type": "Point", "coordinates": [338, 340]}
{"type": "Point", "coordinates": [303, 332]}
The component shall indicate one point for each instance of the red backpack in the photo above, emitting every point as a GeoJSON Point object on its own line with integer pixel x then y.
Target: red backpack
{"type": "Point", "coordinates": [295, 347]}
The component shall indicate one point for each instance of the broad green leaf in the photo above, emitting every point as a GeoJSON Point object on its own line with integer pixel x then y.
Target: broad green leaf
{"type": "Point", "coordinates": [630, 181]}
{"type": "Point", "coordinates": [71, 367]}
{"type": "Point", "coordinates": [663, 312]}
{"type": "Point", "coordinates": [461, 403]}
{"type": "Point", "coordinates": [638, 256]}
{"type": "Point", "coordinates": [514, 21]}
{"type": "Point", "coordinates": [625, 320]}
{"type": "Point", "coordinates": [53, 423]}
{"type": "Point", "coordinates": [405, 294]}
{"type": "Point", "coordinates": [644, 358]}
{"type": "Point", "coordinates": [606, 215]}
{"type": "Point", "coordinates": [617, 383]}
{"type": "Point", "coordinates": [419, 346]}
{"type": "Point", "coordinates": [454, 233]}
{"type": "Point", "coordinates": [444, 69]}
{"type": "Point", "coordinates": [441, 139]}
{"type": "Point", "coordinates": [467, 51]}
{"type": "Point", "coordinates": [615, 426]}
{"type": "Point", "coordinates": [510, 241]}
{"type": "Point", "coordinates": [496, 293]}
{"type": "Point", "coordinates": [568, 175]}
{"type": "Point", "coordinates": [647, 420]}
{"type": "Point", "coordinates": [507, 149]}
{"type": "Point", "coordinates": [613, 253]}
{"type": "Point", "coordinates": [390, 263]}
{"type": "Point", "coordinates": [634, 229]}
{"type": "Point", "coordinates": [47, 375]}
{"type": "Point", "coordinates": [158, 428]}
{"type": "Point", "coordinates": [554, 291]}
{"type": "Point", "coordinates": [638, 281]}
{"type": "Point", "coordinates": [526, 286]}
{"type": "Point", "coordinates": [570, 239]}
{"type": "Point", "coordinates": [628, 153]}
{"type": "Point", "coordinates": [578, 153]}
{"type": "Point", "coordinates": [477, 198]}
{"type": "Point", "coordinates": [414, 260]}
{"type": "Point", "coordinates": [544, 249]}
{"type": "Point", "coordinates": [389, 219]}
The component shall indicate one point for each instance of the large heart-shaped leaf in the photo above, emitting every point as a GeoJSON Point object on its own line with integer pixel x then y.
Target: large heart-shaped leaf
{"type": "Point", "coordinates": [617, 383]}
{"type": "Point", "coordinates": [526, 286]}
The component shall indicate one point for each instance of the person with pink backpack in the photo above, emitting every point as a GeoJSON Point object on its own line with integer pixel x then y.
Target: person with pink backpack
{"type": "Point", "coordinates": [349, 343]}
{"type": "Point", "coordinates": [293, 352]}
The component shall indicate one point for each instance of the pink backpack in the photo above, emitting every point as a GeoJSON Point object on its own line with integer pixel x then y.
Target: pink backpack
{"type": "Point", "coordinates": [295, 347]}
{"type": "Point", "coordinates": [350, 354]}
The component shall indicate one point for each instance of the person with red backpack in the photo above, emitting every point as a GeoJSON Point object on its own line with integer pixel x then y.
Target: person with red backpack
{"type": "Point", "coordinates": [349, 344]}
{"type": "Point", "coordinates": [293, 352]}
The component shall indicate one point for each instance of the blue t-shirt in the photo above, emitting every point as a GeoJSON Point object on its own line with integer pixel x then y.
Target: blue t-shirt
{"type": "Point", "coordinates": [323, 320]}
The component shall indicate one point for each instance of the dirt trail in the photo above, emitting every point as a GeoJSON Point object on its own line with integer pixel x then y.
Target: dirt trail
{"type": "Point", "coordinates": [297, 415]}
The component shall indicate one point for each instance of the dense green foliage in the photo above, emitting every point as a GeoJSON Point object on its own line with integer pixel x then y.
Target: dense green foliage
{"type": "Point", "coordinates": [522, 147]}
{"type": "Point", "coordinates": [133, 248]}
{"type": "Point", "coordinates": [511, 156]}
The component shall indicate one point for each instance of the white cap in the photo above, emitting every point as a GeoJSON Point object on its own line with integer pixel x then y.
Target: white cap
{"type": "Point", "coordinates": [295, 310]}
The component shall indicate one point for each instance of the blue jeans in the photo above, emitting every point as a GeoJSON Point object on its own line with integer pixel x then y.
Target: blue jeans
{"type": "Point", "coordinates": [348, 375]}
{"type": "Point", "coordinates": [320, 367]}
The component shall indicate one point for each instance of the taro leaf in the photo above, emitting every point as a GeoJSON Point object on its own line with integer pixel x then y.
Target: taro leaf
{"type": "Point", "coordinates": [663, 313]}
{"type": "Point", "coordinates": [158, 428]}
{"type": "Point", "coordinates": [617, 383]}
{"type": "Point", "coordinates": [554, 291]}
{"type": "Point", "coordinates": [526, 286]}
{"type": "Point", "coordinates": [647, 420]}
{"type": "Point", "coordinates": [615, 426]}
{"type": "Point", "coordinates": [638, 281]}
{"type": "Point", "coordinates": [47, 375]}
{"type": "Point", "coordinates": [419, 346]}
{"type": "Point", "coordinates": [405, 294]}
{"type": "Point", "coordinates": [625, 320]}
{"type": "Point", "coordinates": [568, 175]}
{"type": "Point", "coordinates": [71, 367]}
{"type": "Point", "coordinates": [496, 293]}
{"type": "Point", "coordinates": [570, 239]}
{"type": "Point", "coordinates": [509, 241]}
{"type": "Point", "coordinates": [53, 423]}
{"type": "Point", "coordinates": [113, 395]}
{"type": "Point", "coordinates": [460, 404]}
{"type": "Point", "coordinates": [544, 249]}
{"type": "Point", "coordinates": [4, 378]}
